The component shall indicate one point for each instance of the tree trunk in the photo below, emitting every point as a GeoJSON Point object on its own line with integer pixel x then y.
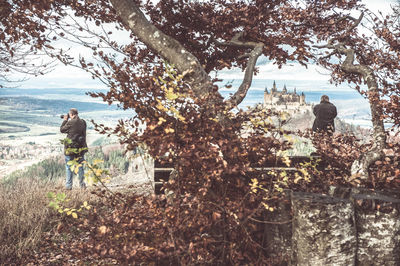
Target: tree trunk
{"type": "Point", "coordinates": [323, 230]}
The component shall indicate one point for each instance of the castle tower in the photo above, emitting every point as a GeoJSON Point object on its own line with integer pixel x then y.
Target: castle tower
{"type": "Point", "coordinates": [274, 87]}
{"type": "Point", "coordinates": [302, 99]}
{"type": "Point", "coordinates": [267, 97]}
{"type": "Point", "coordinates": [284, 89]}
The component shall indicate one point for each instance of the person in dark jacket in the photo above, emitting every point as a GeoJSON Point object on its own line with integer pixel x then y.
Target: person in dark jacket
{"type": "Point", "coordinates": [75, 145]}
{"type": "Point", "coordinates": [325, 113]}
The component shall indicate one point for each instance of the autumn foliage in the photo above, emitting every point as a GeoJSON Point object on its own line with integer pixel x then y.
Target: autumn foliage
{"type": "Point", "coordinates": [167, 73]}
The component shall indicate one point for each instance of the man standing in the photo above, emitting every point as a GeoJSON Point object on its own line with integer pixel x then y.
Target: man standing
{"type": "Point", "coordinates": [325, 113]}
{"type": "Point", "coordinates": [75, 145]}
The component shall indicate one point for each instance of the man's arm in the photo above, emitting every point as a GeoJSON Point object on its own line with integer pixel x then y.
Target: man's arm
{"type": "Point", "coordinates": [315, 110]}
{"type": "Point", "coordinates": [65, 126]}
{"type": "Point", "coordinates": [84, 130]}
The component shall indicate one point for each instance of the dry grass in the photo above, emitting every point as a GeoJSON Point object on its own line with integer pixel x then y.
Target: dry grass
{"type": "Point", "coordinates": [25, 215]}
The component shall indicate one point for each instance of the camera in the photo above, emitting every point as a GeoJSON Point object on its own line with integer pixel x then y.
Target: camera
{"type": "Point", "coordinates": [62, 116]}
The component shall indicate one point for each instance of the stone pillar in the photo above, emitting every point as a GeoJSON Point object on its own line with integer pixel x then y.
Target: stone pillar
{"type": "Point", "coordinates": [323, 230]}
{"type": "Point", "coordinates": [378, 229]}
{"type": "Point", "coordinates": [377, 224]}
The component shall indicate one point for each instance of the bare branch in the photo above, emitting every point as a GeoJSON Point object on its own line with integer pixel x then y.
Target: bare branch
{"type": "Point", "coordinates": [235, 41]}
{"type": "Point", "coordinates": [356, 23]}
{"type": "Point", "coordinates": [253, 56]}
{"type": "Point", "coordinates": [329, 55]}
{"type": "Point", "coordinates": [244, 56]}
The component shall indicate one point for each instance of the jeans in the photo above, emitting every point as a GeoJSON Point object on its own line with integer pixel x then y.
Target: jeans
{"type": "Point", "coordinates": [70, 174]}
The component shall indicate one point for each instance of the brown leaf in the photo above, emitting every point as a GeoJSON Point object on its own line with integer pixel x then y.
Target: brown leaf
{"type": "Point", "coordinates": [216, 216]}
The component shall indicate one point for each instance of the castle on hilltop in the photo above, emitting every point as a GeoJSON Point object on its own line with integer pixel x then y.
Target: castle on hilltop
{"type": "Point", "coordinates": [290, 102]}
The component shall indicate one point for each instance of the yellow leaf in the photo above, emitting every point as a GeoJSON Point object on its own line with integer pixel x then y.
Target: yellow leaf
{"type": "Point", "coordinates": [161, 120]}
{"type": "Point", "coordinates": [97, 161]}
{"type": "Point", "coordinates": [169, 130]}
{"type": "Point", "coordinates": [170, 95]}
{"type": "Point", "coordinates": [297, 178]}
{"type": "Point", "coordinates": [161, 107]}
{"type": "Point", "coordinates": [74, 215]}
{"type": "Point", "coordinates": [181, 118]}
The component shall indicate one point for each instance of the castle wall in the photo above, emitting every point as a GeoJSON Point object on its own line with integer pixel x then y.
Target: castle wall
{"type": "Point", "coordinates": [284, 101]}
{"type": "Point", "coordinates": [291, 109]}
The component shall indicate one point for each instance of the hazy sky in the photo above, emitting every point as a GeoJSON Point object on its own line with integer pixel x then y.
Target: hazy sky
{"type": "Point", "coordinates": [70, 77]}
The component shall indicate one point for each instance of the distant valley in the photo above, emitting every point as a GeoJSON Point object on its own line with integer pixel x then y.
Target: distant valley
{"type": "Point", "coordinates": [30, 120]}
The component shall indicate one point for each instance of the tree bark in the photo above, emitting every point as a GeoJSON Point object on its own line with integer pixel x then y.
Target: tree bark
{"type": "Point", "coordinates": [186, 63]}
{"type": "Point", "coordinates": [256, 52]}
{"type": "Point", "coordinates": [323, 230]}
{"type": "Point", "coordinates": [360, 167]}
{"type": "Point", "coordinates": [175, 53]}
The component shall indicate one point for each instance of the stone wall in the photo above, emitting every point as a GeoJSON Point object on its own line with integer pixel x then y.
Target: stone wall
{"type": "Point", "coordinates": [347, 227]}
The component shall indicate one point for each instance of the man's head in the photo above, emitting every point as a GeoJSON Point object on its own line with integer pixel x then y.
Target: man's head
{"type": "Point", "coordinates": [325, 98]}
{"type": "Point", "coordinates": [73, 112]}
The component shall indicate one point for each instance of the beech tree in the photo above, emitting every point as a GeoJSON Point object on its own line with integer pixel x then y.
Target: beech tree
{"type": "Point", "coordinates": [167, 72]}
{"type": "Point", "coordinates": [369, 59]}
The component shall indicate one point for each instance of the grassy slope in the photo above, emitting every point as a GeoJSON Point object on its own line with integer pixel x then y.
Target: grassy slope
{"type": "Point", "coordinates": [25, 216]}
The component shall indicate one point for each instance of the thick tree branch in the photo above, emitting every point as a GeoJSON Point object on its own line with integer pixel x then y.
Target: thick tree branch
{"type": "Point", "coordinates": [253, 56]}
{"type": "Point", "coordinates": [169, 48]}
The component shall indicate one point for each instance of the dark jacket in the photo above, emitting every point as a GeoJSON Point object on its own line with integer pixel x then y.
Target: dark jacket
{"type": "Point", "coordinates": [325, 113]}
{"type": "Point", "coordinates": [75, 129]}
